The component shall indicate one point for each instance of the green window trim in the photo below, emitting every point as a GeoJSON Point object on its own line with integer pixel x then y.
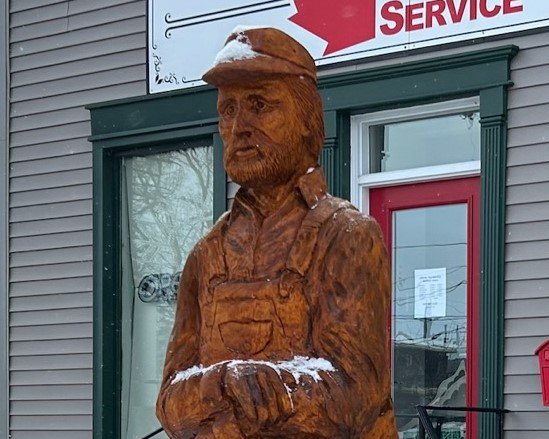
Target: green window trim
{"type": "Point", "coordinates": [157, 120]}
{"type": "Point", "coordinates": [107, 153]}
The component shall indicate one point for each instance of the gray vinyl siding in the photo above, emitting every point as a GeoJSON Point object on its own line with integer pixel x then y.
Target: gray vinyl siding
{"type": "Point", "coordinates": [64, 55]}
{"type": "Point", "coordinates": [527, 243]}
{"type": "Point", "coordinates": [4, 165]}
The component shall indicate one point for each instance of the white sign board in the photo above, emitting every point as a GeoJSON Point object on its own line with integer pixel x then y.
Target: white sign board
{"type": "Point", "coordinates": [185, 35]}
{"type": "Point", "coordinates": [430, 293]}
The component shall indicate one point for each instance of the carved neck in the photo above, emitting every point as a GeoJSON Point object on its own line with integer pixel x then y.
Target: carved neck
{"type": "Point", "coordinates": [268, 200]}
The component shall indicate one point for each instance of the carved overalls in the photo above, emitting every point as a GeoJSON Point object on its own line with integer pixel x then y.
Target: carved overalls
{"type": "Point", "coordinates": [267, 319]}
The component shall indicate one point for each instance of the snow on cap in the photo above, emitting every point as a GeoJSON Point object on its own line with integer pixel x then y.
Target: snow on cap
{"type": "Point", "coordinates": [252, 52]}
{"type": "Point", "coordinates": [235, 50]}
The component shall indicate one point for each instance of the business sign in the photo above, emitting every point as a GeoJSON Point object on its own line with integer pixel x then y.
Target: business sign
{"type": "Point", "coordinates": [185, 35]}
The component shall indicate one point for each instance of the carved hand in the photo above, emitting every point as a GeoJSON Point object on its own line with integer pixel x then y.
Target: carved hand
{"type": "Point", "coordinates": [260, 397]}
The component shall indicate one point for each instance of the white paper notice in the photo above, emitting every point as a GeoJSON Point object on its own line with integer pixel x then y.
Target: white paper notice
{"type": "Point", "coordinates": [430, 293]}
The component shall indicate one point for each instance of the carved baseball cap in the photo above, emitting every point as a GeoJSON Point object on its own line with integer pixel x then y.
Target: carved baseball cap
{"type": "Point", "coordinates": [251, 53]}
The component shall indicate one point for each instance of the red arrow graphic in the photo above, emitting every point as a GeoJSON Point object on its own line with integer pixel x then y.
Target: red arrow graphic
{"type": "Point", "coordinates": [342, 23]}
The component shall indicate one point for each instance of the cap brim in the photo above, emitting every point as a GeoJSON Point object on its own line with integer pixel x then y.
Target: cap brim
{"type": "Point", "coordinates": [259, 67]}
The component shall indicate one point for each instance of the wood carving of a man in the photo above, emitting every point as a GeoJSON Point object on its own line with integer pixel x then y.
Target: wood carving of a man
{"type": "Point", "coordinates": [280, 330]}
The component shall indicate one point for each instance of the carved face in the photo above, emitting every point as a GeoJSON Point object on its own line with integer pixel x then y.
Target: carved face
{"type": "Point", "coordinates": [263, 133]}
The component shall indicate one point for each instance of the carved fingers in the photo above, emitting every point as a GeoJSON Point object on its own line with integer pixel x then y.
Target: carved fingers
{"type": "Point", "coordinates": [210, 389]}
{"type": "Point", "coordinates": [260, 397]}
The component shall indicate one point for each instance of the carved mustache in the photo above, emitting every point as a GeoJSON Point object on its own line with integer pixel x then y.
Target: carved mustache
{"type": "Point", "coordinates": [257, 142]}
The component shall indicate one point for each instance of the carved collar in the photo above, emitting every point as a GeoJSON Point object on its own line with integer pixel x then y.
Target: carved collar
{"type": "Point", "coordinates": [310, 188]}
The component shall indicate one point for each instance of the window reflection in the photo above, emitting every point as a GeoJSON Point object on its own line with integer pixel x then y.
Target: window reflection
{"type": "Point", "coordinates": [425, 142]}
{"type": "Point", "coordinates": [429, 326]}
{"type": "Point", "coordinates": [167, 202]}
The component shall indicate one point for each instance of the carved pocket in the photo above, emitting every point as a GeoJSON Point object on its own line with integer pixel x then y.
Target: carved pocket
{"type": "Point", "coordinates": [247, 338]}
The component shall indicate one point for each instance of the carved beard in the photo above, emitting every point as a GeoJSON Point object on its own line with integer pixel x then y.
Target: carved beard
{"type": "Point", "coordinates": [257, 162]}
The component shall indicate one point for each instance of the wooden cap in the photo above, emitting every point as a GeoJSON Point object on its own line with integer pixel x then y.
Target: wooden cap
{"type": "Point", "coordinates": [258, 52]}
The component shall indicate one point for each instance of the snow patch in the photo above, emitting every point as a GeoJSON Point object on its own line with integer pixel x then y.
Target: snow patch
{"type": "Point", "coordinates": [235, 50]}
{"type": "Point", "coordinates": [311, 169]}
{"type": "Point", "coordinates": [298, 367]}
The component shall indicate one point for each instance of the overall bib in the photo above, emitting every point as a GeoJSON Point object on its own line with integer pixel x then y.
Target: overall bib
{"type": "Point", "coordinates": [265, 319]}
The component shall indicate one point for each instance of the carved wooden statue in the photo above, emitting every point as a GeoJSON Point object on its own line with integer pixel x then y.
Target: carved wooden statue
{"type": "Point", "coordinates": [281, 324]}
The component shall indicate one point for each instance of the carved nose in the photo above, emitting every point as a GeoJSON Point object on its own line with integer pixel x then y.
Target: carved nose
{"type": "Point", "coordinates": [242, 125]}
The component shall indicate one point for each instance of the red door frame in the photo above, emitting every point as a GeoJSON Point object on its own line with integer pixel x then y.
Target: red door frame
{"type": "Point", "coordinates": [384, 201]}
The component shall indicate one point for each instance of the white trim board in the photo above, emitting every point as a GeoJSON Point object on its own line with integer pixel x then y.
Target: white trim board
{"type": "Point", "coordinates": [361, 182]}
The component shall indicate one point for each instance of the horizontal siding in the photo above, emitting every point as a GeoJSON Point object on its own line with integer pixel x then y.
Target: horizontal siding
{"type": "Point", "coordinates": [65, 285]}
{"type": "Point", "coordinates": [31, 377]}
{"type": "Point", "coordinates": [53, 118]}
{"type": "Point", "coordinates": [64, 21]}
{"type": "Point", "coordinates": [54, 164]}
{"type": "Point", "coordinates": [66, 422]}
{"type": "Point", "coordinates": [527, 242]}
{"type": "Point", "coordinates": [52, 434]}
{"type": "Point", "coordinates": [52, 210]}
{"type": "Point", "coordinates": [51, 317]}
{"type": "Point", "coordinates": [68, 85]}
{"type": "Point", "coordinates": [527, 289]}
{"type": "Point", "coordinates": [57, 392]}
{"type": "Point", "coordinates": [49, 150]}
{"type": "Point", "coordinates": [64, 55]}
{"type": "Point", "coordinates": [127, 57]}
{"type": "Point", "coordinates": [53, 332]}
{"type": "Point", "coordinates": [47, 226]}
{"type": "Point", "coordinates": [51, 301]}
{"type": "Point", "coordinates": [40, 181]}
{"type": "Point", "coordinates": [528, 212]}
{"type": "Point", "coordinates": [50, 408]}
{"type": "Point", "coordinates": [50, 347]}
{"type": "Point", "coordinates": [51, 362]}
{"type": "Point", "coordinates": [55, 256]}
{"type": "Point", "coordinates": [527, 251]}
{"type": "Point", "coordinates": [78, 37]}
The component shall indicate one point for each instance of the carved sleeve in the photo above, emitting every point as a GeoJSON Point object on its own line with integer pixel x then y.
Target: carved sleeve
{"type": "Point", "coordinates": [349, 329]}
{"type": "Point", "coordinates": [182, 353]}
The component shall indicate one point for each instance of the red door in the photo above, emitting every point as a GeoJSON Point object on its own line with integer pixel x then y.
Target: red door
{"type": "Point", "coordinates": [432, 234]}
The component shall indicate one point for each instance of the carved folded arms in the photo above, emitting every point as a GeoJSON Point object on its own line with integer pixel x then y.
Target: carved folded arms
{"type": "Point", "coordinates": [336, 392]}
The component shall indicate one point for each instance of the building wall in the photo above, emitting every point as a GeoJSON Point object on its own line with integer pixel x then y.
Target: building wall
{"type": "Point", "coordinates": [68, 54]}
{"type": "Point", "coordinates": [63, 55]}
{"type": "Point", "coordinates": [527, 243]}
{"type": "Point", "coordinates": [4, 355]}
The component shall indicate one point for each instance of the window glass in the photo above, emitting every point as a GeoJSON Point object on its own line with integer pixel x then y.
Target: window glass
{"type": "Point", "coordinates": [425, 142]}
{"type": "Point", "coordinates": [167, 203]}
{"type": "Point", "coordinates": [429, 324]}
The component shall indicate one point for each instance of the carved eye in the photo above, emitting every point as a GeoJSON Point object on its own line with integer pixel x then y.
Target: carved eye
{"type": "Point", "coordinates": [259, 105]}
{"type": "Point", "coordinates": [230, 110]}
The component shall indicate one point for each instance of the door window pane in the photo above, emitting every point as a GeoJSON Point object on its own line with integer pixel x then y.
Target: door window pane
{"type": "Point", "coordinates": [167, 203]}
{"type": "Point", "coordinates": [429, 324]}
{"type": "Point", "coordinates": [425, 142]}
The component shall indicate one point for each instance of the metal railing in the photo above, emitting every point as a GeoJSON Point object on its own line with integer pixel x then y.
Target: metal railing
{"type": "Point", "coordinates": [154, 433]}
{"type": "Point", "coordinates": [426, 424]}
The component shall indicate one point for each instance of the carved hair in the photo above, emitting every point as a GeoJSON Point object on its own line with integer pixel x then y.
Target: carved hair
{"type": "Point", "coordinates": [310, 106]}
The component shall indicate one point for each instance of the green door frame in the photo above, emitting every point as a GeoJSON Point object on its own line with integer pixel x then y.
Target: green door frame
{"type": "Point", "coordinates": [123, 125]}
{"type": "Point", "coordinates": [108, 151]}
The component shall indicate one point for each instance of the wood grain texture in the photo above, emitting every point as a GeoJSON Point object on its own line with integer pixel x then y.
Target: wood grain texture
{"type": "Point", "coordinates": [290, 276]}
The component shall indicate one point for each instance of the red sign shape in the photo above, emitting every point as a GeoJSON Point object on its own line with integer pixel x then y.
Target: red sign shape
{"type": "Point", "coordinates": [342, 23]}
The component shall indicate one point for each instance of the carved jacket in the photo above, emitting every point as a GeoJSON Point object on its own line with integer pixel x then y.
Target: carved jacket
{"type": "Point", "coordinates": [329, 267]}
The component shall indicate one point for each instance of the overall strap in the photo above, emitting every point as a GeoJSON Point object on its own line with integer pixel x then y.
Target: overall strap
{"type": "Point", "coordinates": [211, 247]}
{"type": "Point", "coordinates": [301, 253]}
